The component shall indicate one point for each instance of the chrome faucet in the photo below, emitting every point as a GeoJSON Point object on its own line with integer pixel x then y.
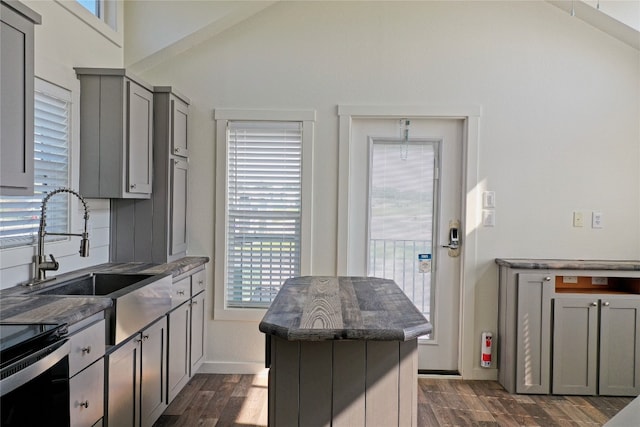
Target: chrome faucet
{"type": "Point", "coordinates": [41, 265]}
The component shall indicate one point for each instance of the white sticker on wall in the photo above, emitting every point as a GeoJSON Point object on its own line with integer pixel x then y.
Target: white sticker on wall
{"type": "Point", "coordinates": [424, 263]}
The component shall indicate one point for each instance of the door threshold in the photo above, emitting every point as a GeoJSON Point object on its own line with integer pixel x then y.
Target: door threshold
{"type": "Point", "coordinates": [439, 373]}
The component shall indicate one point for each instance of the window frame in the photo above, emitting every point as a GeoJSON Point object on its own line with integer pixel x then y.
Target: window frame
{"type": "Point", "coordinates": [222, 117]}
{"type": "Point", "coordinates": [20, 258]}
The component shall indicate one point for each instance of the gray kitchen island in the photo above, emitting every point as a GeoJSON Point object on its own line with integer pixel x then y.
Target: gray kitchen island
{"type": "Point", "coordinates": [342, 351]}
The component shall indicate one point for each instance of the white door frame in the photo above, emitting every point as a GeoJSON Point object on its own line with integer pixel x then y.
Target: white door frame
{"type": "Point", "coordinates": [471, 212]}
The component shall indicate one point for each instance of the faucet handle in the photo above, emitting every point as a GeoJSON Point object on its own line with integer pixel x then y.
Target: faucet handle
{"type": "Point", "coordinates": [55, 263]}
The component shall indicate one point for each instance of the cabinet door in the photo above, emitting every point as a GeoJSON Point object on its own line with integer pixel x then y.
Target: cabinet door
{"type": "Point", "coordinates": [197, 332]}
{"type": "Point", "coordinates": [86, 395]}
{"type": "Point", "coordinates": [16, 114]}
{"type": "Point", "coordinates": [178, 368]}
{"type": "Point", "coordinates": [139, 139]}
{"type": "Point", "coordinates": [179, 120]}
{"type": "Point", "coordinates": [533, 331]}
{"type": "Point", "coordinates": [620, 346]}
{"type": "Point", "coordinates": [178, 210]}
{"type": "Point", "coordinates": [123, 374]}
{"type": "Point", "coordinates": [154, 365]}
{"type": "Point", "coordinates": [575, 345]}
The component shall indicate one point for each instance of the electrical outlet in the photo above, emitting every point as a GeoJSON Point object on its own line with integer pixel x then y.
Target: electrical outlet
{"type": "Point", "coordinates": [578, 219]}
{"type": "Point", "coordinates": [596, 220]}
{"type": "Point", "coordinates": [599, 280]}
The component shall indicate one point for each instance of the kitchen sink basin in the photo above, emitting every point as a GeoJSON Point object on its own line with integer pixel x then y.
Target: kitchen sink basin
{"type": "Point", "coordinates": [95, 284]}
{"type": "Point", "coordinates": [137, 299]}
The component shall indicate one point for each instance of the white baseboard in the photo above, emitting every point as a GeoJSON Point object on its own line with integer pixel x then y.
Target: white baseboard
{"type": "Point", "coordinates": [489, 374]}
{"type": "Point", "coordinates": [231, 368]}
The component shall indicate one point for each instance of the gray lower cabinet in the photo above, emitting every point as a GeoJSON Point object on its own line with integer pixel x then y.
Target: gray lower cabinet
{"type": "Point", "coordinates": [596, 345]}
{"type": "Point", "coordinates": [178, 366]}
{"type": "Point", "coordinates": [86, 372]}
{"type": "Point", "coordinates": [116, 134]}
{"type": "Point", "coordinates": [575, 345]}
{"type": "Point", "coordinates": [533, 340]}
{"type": "Point", "coordinates": [186, 331]}
{"type": "Point", "coordinates": [16, 102]}
{"type": "Point", "coordinates": [136, 381]}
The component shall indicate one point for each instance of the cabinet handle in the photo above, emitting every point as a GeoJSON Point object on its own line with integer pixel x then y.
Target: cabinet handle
{"type": "Point", "coordinates": [175, 161]}
{"type": "Point", "coordinates": [138, 340]}
{"type": "Point", "coordinates": [606, 303]}
{"type": "Point", "coordinates": [86, 349]}
{"type": "Point", "coordinates": [547, 279]}
{"type": "Point", "coordinates": [594, 304]}
{"type": "Point", "coordinates": [180, 292]}
{"type": "Point", "coordinates": [145, 337]}
{"type": "Point", "coordinates": [194, 302]}
{"type": "Point", "coordinates": [176, 150]}
{"type": "Point", "coordinates": [200, 282]}
{"type": "Point", "coordinates": [84, 404]}
{"type": "Point", "coordinates": [133, 186]}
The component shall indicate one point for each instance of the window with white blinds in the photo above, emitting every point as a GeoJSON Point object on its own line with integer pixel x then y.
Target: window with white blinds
{"type": "Point", "coordinates": [264, 209]}
{"type": "Point", "coordinates": [20, 215]}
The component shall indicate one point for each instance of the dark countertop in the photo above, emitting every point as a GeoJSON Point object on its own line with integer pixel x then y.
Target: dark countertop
{"type": "Point", "coordinates": [16, 305]}
{"type": "Point", "coordinates": [315, 308]}
{"type": "Point", "coordinates": [569, 264]}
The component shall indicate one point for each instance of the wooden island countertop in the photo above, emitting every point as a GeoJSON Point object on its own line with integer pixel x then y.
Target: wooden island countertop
{"type": "Point", "coordinates": [318, 308]}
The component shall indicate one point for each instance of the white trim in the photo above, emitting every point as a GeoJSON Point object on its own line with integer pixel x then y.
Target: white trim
{"type": "Point", "coordinates": [270, 115]}
{"type": "Point", "coordinates": [109, 27]}
{"type": "Point", "coordinates": [255, 368]}
{"type": "Point", "coordinates": [222, 116]}
{"type": "Point", "coordinates": [470, 203]}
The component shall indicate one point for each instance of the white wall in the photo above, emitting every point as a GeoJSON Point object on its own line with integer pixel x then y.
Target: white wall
{"type": "Point", "coordinates": [559, 129]}
{"type": "Point", "coordinates": [62, 42]}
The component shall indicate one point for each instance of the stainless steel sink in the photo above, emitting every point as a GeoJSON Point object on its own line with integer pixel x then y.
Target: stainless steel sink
{"type": "Point", "coordinates": [138, 299]}
{"type": "Point", "coordinates": [96, 284]}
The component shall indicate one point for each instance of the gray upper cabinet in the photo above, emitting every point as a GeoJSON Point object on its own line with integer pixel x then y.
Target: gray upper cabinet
{"type": "Point", "coordinates": [160, 222]}
{"type": "Point", "coordinates": [116, 134]}
{"type": "Point", "coordinates": [16, 114]}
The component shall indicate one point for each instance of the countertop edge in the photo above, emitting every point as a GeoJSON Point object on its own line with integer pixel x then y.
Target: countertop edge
{"type": "Point", "coordinates": [567, 264]}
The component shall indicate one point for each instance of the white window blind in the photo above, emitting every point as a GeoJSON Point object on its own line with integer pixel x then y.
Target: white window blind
{"type": "Point", "coordinates": [20, 215]}
{"type": "Point", "coordinates": [264, 172]}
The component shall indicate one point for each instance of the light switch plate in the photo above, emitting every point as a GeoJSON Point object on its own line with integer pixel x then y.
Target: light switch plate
{"type": "Point", "coordinates": [488, 217]}
{"type": "Point", "coordinates": [489, 199]}
{"type": "Point", "coordinates": [578, 219]}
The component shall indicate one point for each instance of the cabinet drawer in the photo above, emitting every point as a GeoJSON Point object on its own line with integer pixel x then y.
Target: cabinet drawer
{"type": "Point", "coordinates": [180, 291]}
{"type": "Point", "coordinates": [198, 282]}
{"type": "Point", "coordinates": [87, 346]}
{"type": "Point", "coordinates": [86, 395]}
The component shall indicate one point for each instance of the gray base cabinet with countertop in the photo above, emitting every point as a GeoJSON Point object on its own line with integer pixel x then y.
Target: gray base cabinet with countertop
{"type": "Point", "coordinates": [569, 327]}
{"type": "Point", "coordinates": [342, 351]}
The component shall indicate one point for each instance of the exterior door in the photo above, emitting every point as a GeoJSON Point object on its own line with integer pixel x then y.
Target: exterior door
{"type": "Point", "coordinates": [405, 207]}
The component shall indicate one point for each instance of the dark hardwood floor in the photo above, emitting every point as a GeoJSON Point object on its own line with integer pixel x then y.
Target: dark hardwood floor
{"type": "Point", "coordinates": [241, 400]}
